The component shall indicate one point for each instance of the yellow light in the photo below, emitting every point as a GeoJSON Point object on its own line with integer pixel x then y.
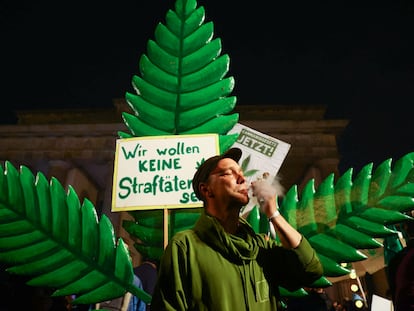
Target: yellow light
{"type": "Point", "coordinates": [354, 288]}
{"type": "Point", "coordinates": [359, 304]}
{"type": "Point", "coordinates": [352, 274]}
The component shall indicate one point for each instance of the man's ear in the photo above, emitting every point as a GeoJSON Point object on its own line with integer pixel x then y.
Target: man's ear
{"type": "Point", "coordinates": [204, 190]}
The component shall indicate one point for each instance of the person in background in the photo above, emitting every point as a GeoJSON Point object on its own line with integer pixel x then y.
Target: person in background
{"type": "Point", "coordinates": [400, 273]}
{"type": "Point", "coordinates": [127, 302]}
{"type": "Point", "coordinates": [222, 264]}
{"type": "Point", "coordinates": [136, 304]}
{"type": "Point", "coordinates": [147, 272]}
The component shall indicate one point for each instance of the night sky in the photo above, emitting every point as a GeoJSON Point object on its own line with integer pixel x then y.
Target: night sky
{"type": "Point", "coordinates": [355, 57]}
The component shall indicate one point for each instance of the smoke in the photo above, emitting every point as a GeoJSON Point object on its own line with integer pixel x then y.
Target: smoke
{"type": "Point", "coordinates": [266, 187]}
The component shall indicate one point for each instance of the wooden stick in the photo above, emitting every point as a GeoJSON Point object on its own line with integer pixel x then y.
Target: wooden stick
{"type": "Point", "coordinates": [165, 227]}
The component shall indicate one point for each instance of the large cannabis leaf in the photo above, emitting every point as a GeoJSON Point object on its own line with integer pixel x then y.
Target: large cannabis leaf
{"type": "Point", "coordinates": [340, 220]}
{"type": "Point", "coordinates": [47, 235]}
{"type": "Point", "coordinates": [182, 88]}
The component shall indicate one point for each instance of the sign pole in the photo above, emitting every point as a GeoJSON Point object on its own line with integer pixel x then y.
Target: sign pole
{"type": "Point", "coordinates": [165, 227]}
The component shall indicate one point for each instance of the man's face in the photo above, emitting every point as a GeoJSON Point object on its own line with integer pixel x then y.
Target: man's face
{"type": "Point", "coordinates": [226, 183]}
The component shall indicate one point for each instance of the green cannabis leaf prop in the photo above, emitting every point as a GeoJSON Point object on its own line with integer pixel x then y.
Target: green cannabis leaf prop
{"type": "Point", "coordinates": [340, 220]}
{"type": "Point", "coordinates": [351, 214]}
{"type": "Point", "coordinates": [47, 234]}
{"type": "Point", "coordinates": [182, 88]}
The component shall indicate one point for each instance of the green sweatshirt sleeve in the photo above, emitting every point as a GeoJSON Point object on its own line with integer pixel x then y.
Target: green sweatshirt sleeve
{"type": "Point", "coordinates": [308, 256]}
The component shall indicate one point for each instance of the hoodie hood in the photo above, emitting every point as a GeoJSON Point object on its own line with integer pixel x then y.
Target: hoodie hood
{"type": "Point", "coordinates": [233, 247]}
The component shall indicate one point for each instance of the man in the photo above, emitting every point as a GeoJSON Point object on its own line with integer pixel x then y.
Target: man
{"type": "Point", "coordinates": [222, 264]}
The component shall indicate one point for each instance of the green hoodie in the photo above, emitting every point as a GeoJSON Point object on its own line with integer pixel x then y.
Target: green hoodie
{"type": "Point", "coordinates": [206, 268]}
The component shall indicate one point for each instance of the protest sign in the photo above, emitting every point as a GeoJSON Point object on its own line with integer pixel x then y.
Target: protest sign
{"type": "Point", "coordinates": [155, 172]}
{"type": "Point", "coordinates": [264, 153]}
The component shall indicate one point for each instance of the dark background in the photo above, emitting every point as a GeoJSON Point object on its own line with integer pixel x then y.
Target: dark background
{"type": "Point", "coordinates": [355, 57]}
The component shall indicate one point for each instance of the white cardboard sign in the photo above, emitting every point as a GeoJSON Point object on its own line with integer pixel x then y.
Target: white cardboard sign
{"type": "Point", "coordinates": [156, 172]}
{"type": "Point", "coordinates": [266, 152]}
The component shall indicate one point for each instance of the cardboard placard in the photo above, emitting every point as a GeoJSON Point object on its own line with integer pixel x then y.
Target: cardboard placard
{"type": "Point", "coordinates": [156, 172]}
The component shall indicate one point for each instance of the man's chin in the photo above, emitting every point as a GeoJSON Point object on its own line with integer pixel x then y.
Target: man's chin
{"type": "Point", "coordinates": [246, 201]}
{"type": "Point", "coordinates": [243, 201]}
